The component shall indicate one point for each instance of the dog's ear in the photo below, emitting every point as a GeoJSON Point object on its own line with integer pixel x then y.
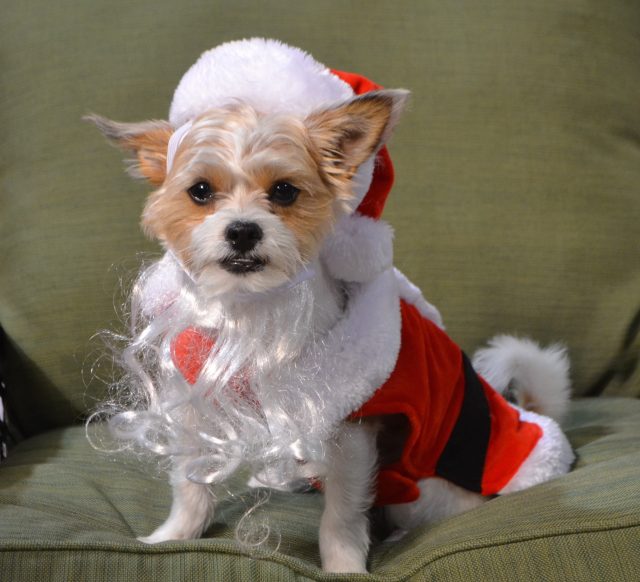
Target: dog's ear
{"type": "Point", "coordinates": [348, 134]}
{"type": "Point", "coordinates": [148, 140]}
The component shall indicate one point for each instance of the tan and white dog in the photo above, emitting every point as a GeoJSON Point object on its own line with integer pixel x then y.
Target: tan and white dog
{"type": "Point", "coordinates": [276, 318]}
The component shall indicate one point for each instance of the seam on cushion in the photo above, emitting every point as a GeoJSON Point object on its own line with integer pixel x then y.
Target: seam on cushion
{"type": "Point", "coordinates": [540, 536]}
{"type": "Point", "coordinates": [316, 574]}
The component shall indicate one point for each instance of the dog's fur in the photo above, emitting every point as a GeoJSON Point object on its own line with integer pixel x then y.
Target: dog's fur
{"type": "Point", "coordinates": [242, 153]}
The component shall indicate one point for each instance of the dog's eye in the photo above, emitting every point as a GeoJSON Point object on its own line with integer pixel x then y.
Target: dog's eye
{"type": "Point", "coordinates": [201, 192]}
{"type": "Point", "coordinates": [283, 193]}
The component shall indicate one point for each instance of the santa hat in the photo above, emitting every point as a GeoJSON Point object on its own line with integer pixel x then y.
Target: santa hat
{"type": "Point", "coordinates": [273, 77]}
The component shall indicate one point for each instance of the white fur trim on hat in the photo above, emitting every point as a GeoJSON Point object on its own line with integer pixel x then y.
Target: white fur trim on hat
{"type": "Point", "coordinates": [267, 74]}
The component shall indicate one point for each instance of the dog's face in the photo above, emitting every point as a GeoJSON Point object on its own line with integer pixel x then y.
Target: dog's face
{"type": "Point", "coordinates": [249, 197]}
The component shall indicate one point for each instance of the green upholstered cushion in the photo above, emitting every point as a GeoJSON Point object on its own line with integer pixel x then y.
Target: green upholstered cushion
{"type": "Point", "coordinates": [70, 513]}
{"type": "Point", "coordinates": [516, 205]}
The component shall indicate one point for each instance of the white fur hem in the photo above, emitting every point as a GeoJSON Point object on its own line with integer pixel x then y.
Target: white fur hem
{"type": "Point", "coordinates": [551, 457]}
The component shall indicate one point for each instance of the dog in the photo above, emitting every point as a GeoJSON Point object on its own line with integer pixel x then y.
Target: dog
{"type": "Point", "coordinates": [275, 333]}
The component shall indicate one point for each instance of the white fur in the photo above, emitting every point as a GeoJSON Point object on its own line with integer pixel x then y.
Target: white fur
{"type": "Point", "coordinates": [359, 248]}
{"type": "Point", "coordinates": [540, 376]}
{"type": "Point", "coordinates": [438, 500]}
{"type": "Point", "coordinates": [191, 511]}
{"type": "Point", "coordinates": [412, 294]}
{"type": "Point", "coordinates": [348, 494]}
{"type": "Point", "coordinates": [160, 286]}
{"type": "Point", "coordinates": [551, 457]}
{"type": "Point", "coordinates": [360, 350]}
{"type": "Point", "coordinates": [209, 246]}
{"type": "Point", "coordinates": [267, 74]}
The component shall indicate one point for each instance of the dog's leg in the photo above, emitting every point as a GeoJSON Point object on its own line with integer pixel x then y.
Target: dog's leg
{"type": "Point", "coordinates": [191, 511]}
{"type": "Point", "coordinates": [348, 494]}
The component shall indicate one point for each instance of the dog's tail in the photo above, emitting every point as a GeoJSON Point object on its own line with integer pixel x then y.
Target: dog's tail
{"type": "Point", "coordinates": [528, 375]}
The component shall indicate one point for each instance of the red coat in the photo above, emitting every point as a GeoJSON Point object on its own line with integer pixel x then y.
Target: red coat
{"type": "Point", "coordinates": [461, 429]}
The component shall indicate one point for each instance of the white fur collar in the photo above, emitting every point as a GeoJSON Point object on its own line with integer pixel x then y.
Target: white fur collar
{"type": "Point", "coordinates": [359, 353]}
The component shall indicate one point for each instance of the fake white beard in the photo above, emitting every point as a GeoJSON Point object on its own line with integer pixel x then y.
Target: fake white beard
{"type": "Point", "coordinates": [246, 408]}
{"type": "Point", "coordinates": [301, 383]}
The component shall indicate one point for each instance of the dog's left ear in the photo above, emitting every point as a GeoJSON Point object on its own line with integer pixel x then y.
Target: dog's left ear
{"type": "Point", "coordinates": [348, 134]}
{"type": "Point", "coordinates": [148, 140]}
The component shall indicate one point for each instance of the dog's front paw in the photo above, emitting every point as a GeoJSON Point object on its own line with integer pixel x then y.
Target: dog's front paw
{"type": "Point", "coordinates": [148, 539]}
{"type": "Point", "coordinates": [166, 534]}
{"type": "Point", "coordinates": [155, 538]}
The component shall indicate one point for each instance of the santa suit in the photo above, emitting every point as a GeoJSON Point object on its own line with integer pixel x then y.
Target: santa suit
{"type": "Point", "coordinates": [460, 428]}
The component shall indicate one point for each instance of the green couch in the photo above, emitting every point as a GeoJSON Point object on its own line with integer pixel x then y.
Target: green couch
{"type": "Point", "coordinates": [516, 209]}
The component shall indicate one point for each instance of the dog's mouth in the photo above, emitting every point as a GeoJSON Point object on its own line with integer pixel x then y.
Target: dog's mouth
{"type": "Point", "coordinates": [243, 265]}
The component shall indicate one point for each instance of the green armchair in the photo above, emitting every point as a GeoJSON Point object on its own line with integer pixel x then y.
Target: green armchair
{"type": "Point", "coordinates": [516, 209]}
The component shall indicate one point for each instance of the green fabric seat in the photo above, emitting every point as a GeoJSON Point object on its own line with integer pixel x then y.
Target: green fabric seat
{"type": "Point", "coordinates": [516, 209]}
{"type": "Point", "coordinates": [70, 514]}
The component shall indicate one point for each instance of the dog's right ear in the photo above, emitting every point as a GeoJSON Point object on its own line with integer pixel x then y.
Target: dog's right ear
{"type": "Point", "coordinates": [148, 140]}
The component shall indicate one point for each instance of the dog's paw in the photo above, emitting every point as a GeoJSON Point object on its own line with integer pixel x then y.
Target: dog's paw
{"type": "Point", "coordinates": [154, 538]}
{"type": "Point", "coordinates": [163, 534]}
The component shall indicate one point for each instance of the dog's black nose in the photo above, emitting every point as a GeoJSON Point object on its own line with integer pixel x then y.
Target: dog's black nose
{"type": "Point", "coordinates": [243, 236]}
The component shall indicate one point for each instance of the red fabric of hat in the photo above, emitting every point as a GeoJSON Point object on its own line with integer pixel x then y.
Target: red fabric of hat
{"type": "Point", "coordinates": [373, 203]}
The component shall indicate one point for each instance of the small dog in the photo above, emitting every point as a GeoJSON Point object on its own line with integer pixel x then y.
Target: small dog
{"type": "Point", "coordinates": [276, 316]}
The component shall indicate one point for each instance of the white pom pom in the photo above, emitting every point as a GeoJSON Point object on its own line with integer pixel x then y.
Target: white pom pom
{"type": "Point", "coordinates": [359, 249]}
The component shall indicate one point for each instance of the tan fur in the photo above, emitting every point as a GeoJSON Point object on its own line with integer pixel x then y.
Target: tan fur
{"type": "Point", "coordinates": [242, 172]}
{"type": "Point", "coordinates": [151, 148]}
{"type": "Point", "coordinates": [148, 140]}
{"type": "Point", "coordinates": [528, 402]}
{"type": "Point", "coordinates": [347, 135]}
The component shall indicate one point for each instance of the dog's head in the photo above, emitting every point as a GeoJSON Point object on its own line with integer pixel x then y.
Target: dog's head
{"type": "Point", "coordinates": [248, 197]}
